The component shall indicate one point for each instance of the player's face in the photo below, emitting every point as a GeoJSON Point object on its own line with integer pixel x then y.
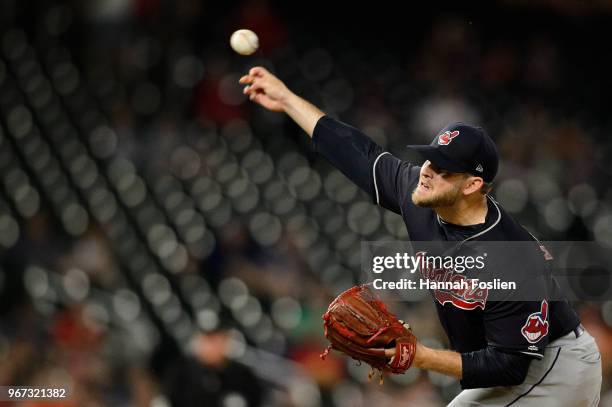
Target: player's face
{"type": "Point", "coordinates": [437, 187]}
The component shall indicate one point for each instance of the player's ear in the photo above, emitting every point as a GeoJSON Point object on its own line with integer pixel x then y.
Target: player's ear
{"type": "Point", "coordinates": [472, 184]}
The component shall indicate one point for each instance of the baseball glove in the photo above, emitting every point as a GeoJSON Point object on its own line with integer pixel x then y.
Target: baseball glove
{"type": "Point", "coordinates": [358, 324]}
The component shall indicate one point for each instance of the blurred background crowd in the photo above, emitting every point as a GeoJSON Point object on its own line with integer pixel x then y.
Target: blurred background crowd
{"type": "Point", "coordinates": [165, 243]}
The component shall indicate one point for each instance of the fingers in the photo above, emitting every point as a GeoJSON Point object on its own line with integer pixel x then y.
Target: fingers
{"type": "Point", "coordinates": [253, 74]}
{"type": "Point", "coordinates": [251, 80]}
{"type": "Point", "coordinates": [248, 90]}
{"type": "Point", "coordinates": [257, 71]}
{"type": "Point", "coordinates": [247, 79]}
{"type": "Point", "coordinates": [256, 86]}
{"type": "Point", "coordinates": [253, 86]}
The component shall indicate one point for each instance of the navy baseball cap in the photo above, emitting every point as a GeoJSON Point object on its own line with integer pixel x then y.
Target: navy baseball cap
{"type": "Point", "coordinates": [460, 147]}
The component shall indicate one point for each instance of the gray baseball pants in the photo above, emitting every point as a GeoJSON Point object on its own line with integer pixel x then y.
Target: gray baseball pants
{"type": "Point", "coordinates": [569, 375]}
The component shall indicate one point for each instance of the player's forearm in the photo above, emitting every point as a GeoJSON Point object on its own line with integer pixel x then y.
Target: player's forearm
{"type": "Point", "coordinates": [484, 368]}
{"type": "Point", "coordinates": [491, 367]}
{"type": "Point", "coordinates": [304, 113]}
{"type": "Point", "coordinates": [441, 361]}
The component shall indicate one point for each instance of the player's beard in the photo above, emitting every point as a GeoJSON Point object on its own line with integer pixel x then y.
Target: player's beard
{"type": "Point", "coordinates": [448, 198]}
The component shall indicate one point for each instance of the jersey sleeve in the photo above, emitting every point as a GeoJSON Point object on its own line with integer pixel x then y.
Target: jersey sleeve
{"type": "Point", "coordinates": [384, 177]}
{"type": "Point", "coordinates": [518, 326]}
{"type": "Point", "coordinates": [490, 367]}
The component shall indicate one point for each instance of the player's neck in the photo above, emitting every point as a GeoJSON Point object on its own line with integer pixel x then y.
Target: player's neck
{"type": "Point", "coordinates": [465, 212]}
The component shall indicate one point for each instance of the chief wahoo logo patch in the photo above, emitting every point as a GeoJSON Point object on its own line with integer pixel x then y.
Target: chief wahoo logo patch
{"type": "Point", "coordinates": [536, 326]}
{"type": "Point", "coordinates": [446, 137]}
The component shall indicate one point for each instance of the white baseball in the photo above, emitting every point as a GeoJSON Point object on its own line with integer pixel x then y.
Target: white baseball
{"type": "Point", "coordinates": [244, 42]}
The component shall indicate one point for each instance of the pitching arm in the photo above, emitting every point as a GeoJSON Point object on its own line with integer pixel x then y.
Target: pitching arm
{"type": "Point", "coordinates": [384, 177]}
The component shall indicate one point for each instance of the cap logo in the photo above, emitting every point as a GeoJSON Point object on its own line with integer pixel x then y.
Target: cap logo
{"type": "Point", "coordinates": [479, 168]}
{"type": "Point", "coordinates": [446, 137]}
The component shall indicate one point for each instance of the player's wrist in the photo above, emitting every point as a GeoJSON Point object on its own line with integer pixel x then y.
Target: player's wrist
{"type": "Point", "coordinates": [288, 100]}
{"type": "Point", "coordinates": [420, 356]}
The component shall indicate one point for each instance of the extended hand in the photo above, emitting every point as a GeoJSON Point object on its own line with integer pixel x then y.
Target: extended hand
{"type": "Point", "coordinates": [265, 89]}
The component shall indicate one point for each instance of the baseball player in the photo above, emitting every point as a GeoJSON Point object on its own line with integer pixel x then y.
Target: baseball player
{"type": "Point", "coordinates": [531, 353]}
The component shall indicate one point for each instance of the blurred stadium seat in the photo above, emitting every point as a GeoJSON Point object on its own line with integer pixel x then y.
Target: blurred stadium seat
{"type": "Point", "coordinates": [143, 200]}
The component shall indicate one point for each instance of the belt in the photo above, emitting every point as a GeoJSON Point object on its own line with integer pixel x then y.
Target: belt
{"type": "Point", "coordinates": [578, 331]}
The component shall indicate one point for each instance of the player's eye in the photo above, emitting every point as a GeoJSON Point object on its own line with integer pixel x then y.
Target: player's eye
{"type": "Point", "coordinates": [438, 170]}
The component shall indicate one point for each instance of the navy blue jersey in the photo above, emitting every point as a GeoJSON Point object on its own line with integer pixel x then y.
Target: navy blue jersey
{"type": "Point", "coordinates": [511, 326]}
